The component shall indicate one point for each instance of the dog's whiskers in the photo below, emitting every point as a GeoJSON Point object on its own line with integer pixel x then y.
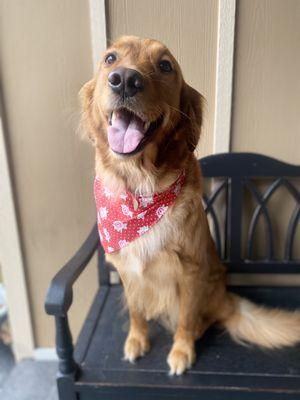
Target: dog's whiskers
{"type": "Point", "coordinates": [179, 111]}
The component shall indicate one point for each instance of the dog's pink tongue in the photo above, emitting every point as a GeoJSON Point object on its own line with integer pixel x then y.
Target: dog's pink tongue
{"type": "Point", "coordinates": [125, 132]}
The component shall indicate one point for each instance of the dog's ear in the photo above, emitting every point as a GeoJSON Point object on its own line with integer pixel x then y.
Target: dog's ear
{"type": "Point", "coordinates": [185, 136]}
{"type": "Point", "coordinates": [87, 122]}
{"type": "Point", "coordinates": [86, 94]}
{"type": "Point", "coordinates": [191, 103]}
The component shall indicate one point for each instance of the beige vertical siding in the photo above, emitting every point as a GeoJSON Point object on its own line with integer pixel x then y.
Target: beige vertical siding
{"type": "Point", "coordinates": [266, 117]}
{"type": "Point", "coordinates": [45, 58]}
{"type": "Point", "coordinates": [188, 28]}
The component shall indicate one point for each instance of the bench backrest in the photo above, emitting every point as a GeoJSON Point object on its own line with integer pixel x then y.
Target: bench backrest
{"type": "Point", "coordinates": [234, 224]}
{"type": "Point", "coordinates": [236, 176]}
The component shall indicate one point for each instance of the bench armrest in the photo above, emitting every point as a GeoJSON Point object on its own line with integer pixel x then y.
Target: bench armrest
{"type": "Point", "coordinates": [60, 294]}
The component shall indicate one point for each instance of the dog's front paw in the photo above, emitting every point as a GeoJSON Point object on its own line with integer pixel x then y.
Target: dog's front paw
{"type": "Point", "coordinates": [135, 347]}
{"type": "Point", "coordinates": [181, 359]}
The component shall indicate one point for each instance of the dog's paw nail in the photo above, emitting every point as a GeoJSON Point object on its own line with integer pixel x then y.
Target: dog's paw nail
{"type": "Point", "coordinates": [179, 362]}
{"type": "Point", "coordinates": [129, 359]}
{"type": "Point", "coordinates": [135, 348]}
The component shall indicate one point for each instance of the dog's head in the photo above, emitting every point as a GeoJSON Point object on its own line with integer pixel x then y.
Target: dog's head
{"type": "Point", "coordinates": [138, 100]}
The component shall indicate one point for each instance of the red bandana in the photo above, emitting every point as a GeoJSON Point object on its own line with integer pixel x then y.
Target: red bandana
{"type": "Point", "coordinates": [125, 217]}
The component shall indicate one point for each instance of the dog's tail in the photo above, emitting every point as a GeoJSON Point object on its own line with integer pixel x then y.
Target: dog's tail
{"type": "Point", "coordinates": [265, 327]}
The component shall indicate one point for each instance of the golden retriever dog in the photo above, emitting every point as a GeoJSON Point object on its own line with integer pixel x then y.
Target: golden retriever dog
{"type": "Point", "coordinates": [144, 121]}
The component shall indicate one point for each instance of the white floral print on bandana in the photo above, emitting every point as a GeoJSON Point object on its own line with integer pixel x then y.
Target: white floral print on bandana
{"type": "Point", "coordinates": [103, 212]}
{"type": "Point", "coordinates": [119, 226]}
{"type": "Point", "coordinates": [126, 211]}
{"type": "Point", "coordinates": [143, 229]}
{"type": "Point", "coordinates": [124, 217]}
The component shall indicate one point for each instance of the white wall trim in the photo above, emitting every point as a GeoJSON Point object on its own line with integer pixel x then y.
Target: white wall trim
{"type": "Point", "coordinates": [12, 262]}
{"type": "Point", "coordinates": [224, 71]}
{"type": "Point", "coordinates": [98, 29]}
{"type": "Point", "coordinates": [45, 354]}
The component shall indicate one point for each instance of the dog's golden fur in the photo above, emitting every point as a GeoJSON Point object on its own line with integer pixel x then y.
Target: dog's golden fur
{"type": "Point", "coordinates": [172, 273]}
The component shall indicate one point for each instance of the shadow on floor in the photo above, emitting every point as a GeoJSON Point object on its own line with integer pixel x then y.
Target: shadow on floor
{"type": "Point", "coordinates": [6, 362]}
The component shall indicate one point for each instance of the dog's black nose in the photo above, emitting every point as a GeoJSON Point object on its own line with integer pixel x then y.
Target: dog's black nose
{"type": "Point", "coordinates": [126, 81]}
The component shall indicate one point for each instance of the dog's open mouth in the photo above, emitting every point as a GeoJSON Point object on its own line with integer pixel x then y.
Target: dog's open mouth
{"type": "Point", "coordinates": [128, 133]}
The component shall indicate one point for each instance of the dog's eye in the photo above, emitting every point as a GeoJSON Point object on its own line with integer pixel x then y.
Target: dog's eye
{"type": "Point", "coordinates": [110, 58]}
{"type": "Point", "coordinates": [165, 66]}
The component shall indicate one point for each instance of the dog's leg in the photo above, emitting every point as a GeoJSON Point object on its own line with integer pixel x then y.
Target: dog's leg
{"type": "Point", "coordinates": [182, 354]}
{"type": "Point", "coordinates": [190, 326]}
{"type": "Point", "coordinates": [137, 342]}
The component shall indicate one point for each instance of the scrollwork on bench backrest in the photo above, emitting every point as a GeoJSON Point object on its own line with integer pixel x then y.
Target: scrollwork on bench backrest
{"type": "Point", "coordinates": [241, 179]}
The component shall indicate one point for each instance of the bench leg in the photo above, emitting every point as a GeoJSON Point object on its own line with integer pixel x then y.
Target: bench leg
{"type": "Point", "coordinates": [67, 366]}
{"type": "Point", "coordinates": [65, 387]}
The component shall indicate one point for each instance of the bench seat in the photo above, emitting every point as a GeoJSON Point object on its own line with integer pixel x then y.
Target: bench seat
{"type": "Point", "coordinates": [222, 365]}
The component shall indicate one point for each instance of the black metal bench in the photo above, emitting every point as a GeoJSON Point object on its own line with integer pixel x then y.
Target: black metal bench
{"type": "Point", "coordinates": [224, 370]}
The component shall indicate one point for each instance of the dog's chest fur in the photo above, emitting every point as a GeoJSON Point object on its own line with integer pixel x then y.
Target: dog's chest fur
{"type": "Point", "coordinates": [149, 271]}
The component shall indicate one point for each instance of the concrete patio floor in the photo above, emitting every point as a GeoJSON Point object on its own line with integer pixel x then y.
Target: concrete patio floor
{"type": "Point", "coordinates": [27, 380]}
